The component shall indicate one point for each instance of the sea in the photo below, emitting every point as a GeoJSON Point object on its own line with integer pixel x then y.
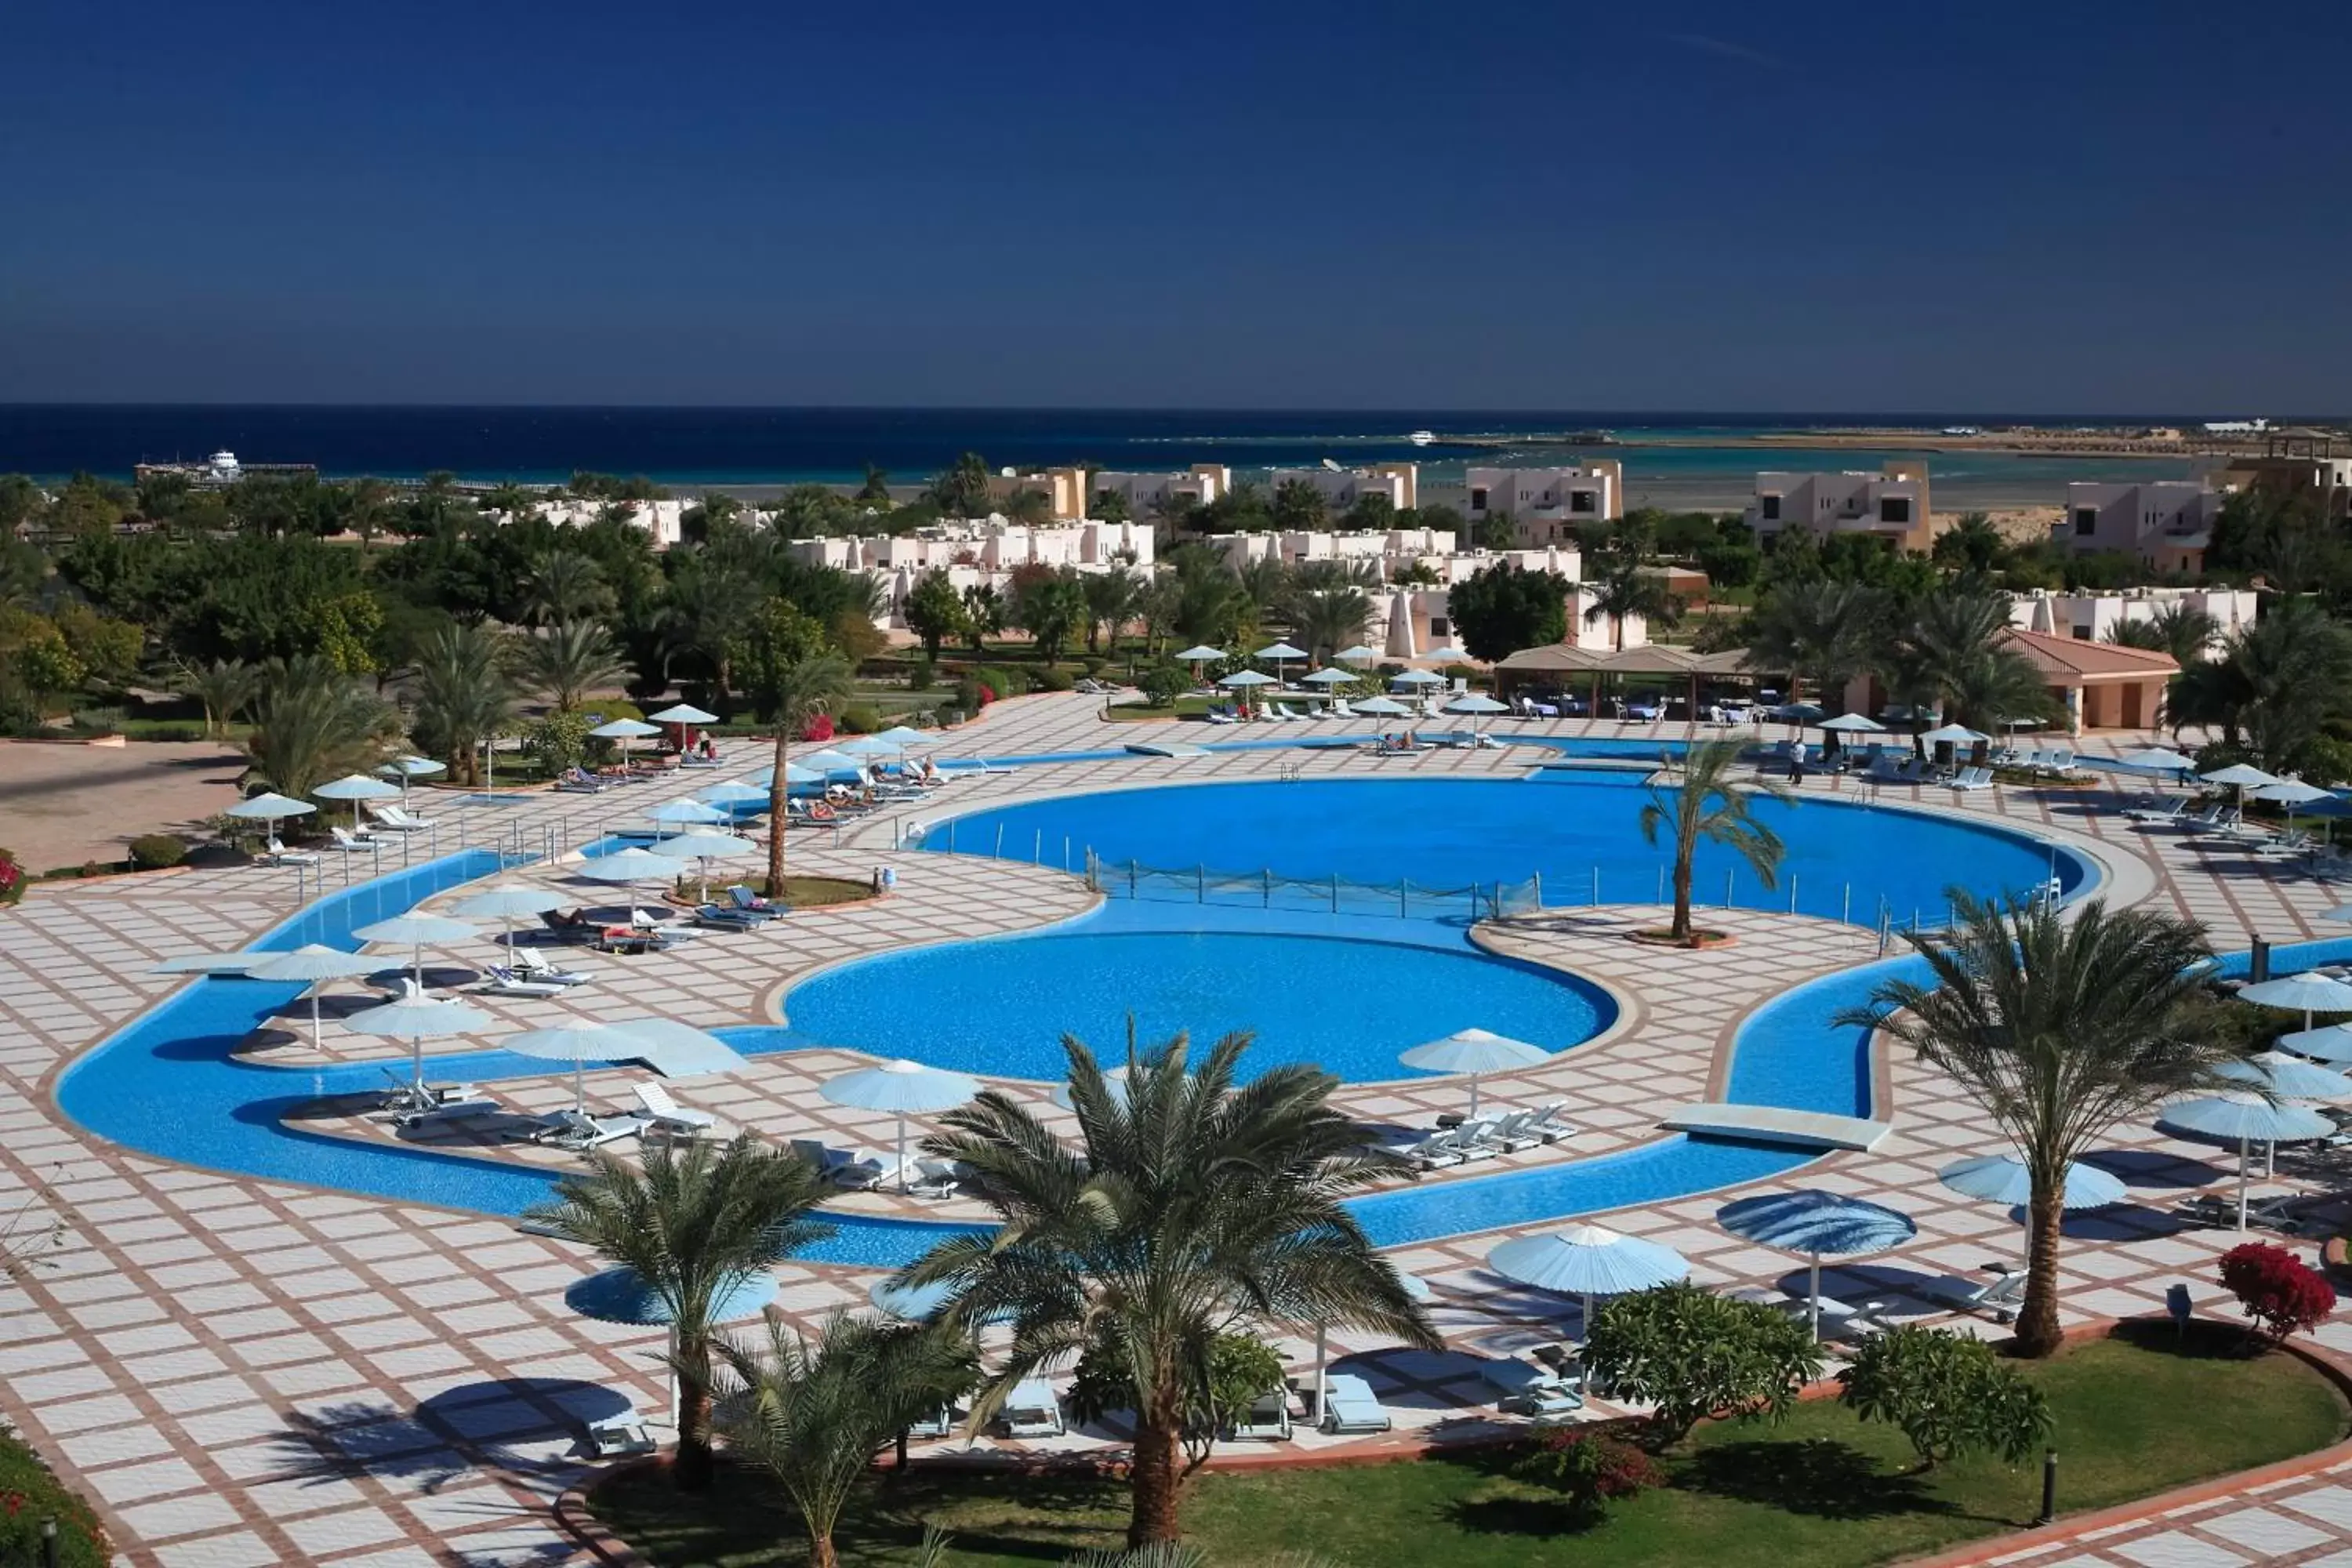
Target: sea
{"type": "Point", "coordinates": [751, 450]}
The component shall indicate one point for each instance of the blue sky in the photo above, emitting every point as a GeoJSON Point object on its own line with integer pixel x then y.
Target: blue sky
{"type": "Point", "coordinates": [2069, 206]}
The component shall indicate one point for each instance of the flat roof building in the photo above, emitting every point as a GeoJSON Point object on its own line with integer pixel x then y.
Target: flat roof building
{"type": "Point", "coordinates": [1343, 488]}
{"type": "Point", "coordinates": [1547, 505]}
{"type": "Point", "coordinates": [1891, 504]}
{"type": "Point", "coordinates": [2168, 523]}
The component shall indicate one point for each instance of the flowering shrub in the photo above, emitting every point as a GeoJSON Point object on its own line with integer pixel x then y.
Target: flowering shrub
{"type": "Point", "coordinates": [819, 728]}
{"type": "Point", "coordinates": [1588, 1467]}
{"type": "Point", "coordinates": [11, 877]}
{"type": "Point", "coordinates": [2282, 1294]}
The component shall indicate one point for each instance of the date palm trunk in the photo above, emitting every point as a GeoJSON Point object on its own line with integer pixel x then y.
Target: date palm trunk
{"type": "Point", "coordinates": [2038, 1333]}
{"type": "Point", "coordinates": [776, 815]}
{"type": "Point", "coordinates": [1153, 1517]}
{"type": "Point", "coordinates": [694, 1464]}
{"type": "Point", "coordinates": [821, 1551]}
{"type": "Point", "coordinates": [1681, 929]}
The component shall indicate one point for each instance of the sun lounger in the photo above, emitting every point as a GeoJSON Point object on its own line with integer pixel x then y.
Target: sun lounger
{"type": "Point", "coordinates": [461, 1101]}
{"type": "Point", "coordinates": [1513, 1132]}
{"type": "Point", "coordinates": [1349, 1405]}
{"type": "Point", "coordinates": [500, 981]}
{"type": "Point", "coordinates": [397, 818]}
{"type": "Point", "coordinates": [718, 917]}
{"type": "Point", "coordinates": [1970, 778]}
{"type": "Point", "coordinates": [1214, 717]}
{"type": "Point", "coordinates": [668, 1116]}
{"type": "Point", "coordinates": [1999, 1292]}
{"type": "Point", "coordinates": [2169, 811]}
{"type": "Point", "coordinates": [864, 1171]}
{"type": "Point", "coordinates": [1267, 1419]}
{"type": "Point", "coordinates": [618, 1436]}
{"type": "Point", "coordinates": [532, 964]}
{"type": "Point", "coordinates": [1528, 1392]}
{"type": "Point", "coordinates": [578, 1132]}
{"type": "Point", "coordinates": [1547, 1124]}
{"type": "Point", "coordinates": [935, 1179]}
{"type": "Point", "coordinates": [569, 925]}
{"type": "Point", "coordinates": [1032, 1410]}
{"type": "Point", "coordinates": [2280, 1212]}
{"type": "Point", "coordinates": [278, 855]}
{"type": "Point", "coordinates": [940, 1423]}
{"type": "Point", "coordinates": [741, 898]}
{"type": "Point", "coordinates": [578, 781]}
{"type": "Point", "coordinates": [344, 840]}
{"type": "Point", "coordinates": [822, 1160]}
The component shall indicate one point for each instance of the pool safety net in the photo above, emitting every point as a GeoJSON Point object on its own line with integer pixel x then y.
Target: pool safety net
{"type": "Point", "coordinates": [1266, 889]}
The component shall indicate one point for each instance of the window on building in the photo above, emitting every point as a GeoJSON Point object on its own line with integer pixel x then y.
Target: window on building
{"type": "Point", "coordinates": [1477, 498]}
{"type": "Point", "coordinates": [1894, 509]}
{"type": "Point", "coordinates": [2082, 633]}
{"type": "Point", "coordinates": [2087, 521]}
{"type": "Point", "coordinates": [1583, 501]}
{"type": "Point", "coordinates": [1439, 627]}
{"type": "Point", "coordinates": [1771, 512]}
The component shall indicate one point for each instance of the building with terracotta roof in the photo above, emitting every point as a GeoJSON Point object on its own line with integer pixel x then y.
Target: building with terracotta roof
{"type": "Point", "coordinates": [2099, 685]}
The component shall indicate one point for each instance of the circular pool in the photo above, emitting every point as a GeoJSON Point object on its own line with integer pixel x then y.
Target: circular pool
{"type": "Point", "coordinates": [1002, 1006]}
{"type": "Point", "coordinates": [1578, 830]}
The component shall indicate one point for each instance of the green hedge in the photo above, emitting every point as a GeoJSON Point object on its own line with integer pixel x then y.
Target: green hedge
{"type": "Point", "coordinates": [154, 851]}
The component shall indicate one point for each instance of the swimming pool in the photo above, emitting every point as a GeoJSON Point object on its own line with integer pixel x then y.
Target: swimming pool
{"type": "Point", "coordinates": [1347, 1004]}
{"type": "Point", "coordinates": [1578, 831]}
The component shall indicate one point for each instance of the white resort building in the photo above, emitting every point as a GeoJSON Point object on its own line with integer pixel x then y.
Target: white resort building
{"type": "Point", "coordinates": [1546, 506]}
{"type": "Point", "coordinates": [2094, 617]}
{"type": "Point", "coordinates": [1891, 504]}
{"type": "Point", "coordinates": [2168, 523]}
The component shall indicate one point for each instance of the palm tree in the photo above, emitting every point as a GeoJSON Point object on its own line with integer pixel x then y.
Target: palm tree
{"type": "Point", "coordinates": [368, 505]}
{"type": "Point", "coordinates": [1955, 655]}
{"type": "Point", "coordinates": [1330, 621]}
{"type": "Point", "coordinates": [983, 614]}
{"type": "Point", "coordinates": [876, 490]}
{"type": "Point", "coordinates": [1110, 599]}
{"type": "Point", "coordinates": [226, 687]}
{"type": "Point", "coordinates": [711, 595]}
{"type": "Point", "coordinates": [804, 689]}
{"type": "Point", "coordinates": [1818, 630]}
{"type": "Point", "coordinates": [1624, 589]}
{"type": "Point", "coordinates": [694, 1222]}
{"type": "Point", "coordinates": [1706, 801]}
{"type": "Point", "coordinates": [2059, 1030]}
{"type": "Point", "coordinates": [567, 660]}
{"type": "Point", "coordinates": [2183, 631]}
{"type": "Point", "coordinates": [313, 724]}
{"type": "Point", "coordinates": [2277, 688]}
{"type": "Point", "coordinates": [464, 697]}
{"type": "Point", "coordinates": [816, 1414]}
{"type": "Point", "coordinates": [1189, 1208]}
{"type": "Point", "coordinates": [563, 585]}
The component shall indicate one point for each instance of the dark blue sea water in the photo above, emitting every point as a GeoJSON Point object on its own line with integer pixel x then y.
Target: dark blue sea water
{"type": "Point", "coordinates": [692, 447]}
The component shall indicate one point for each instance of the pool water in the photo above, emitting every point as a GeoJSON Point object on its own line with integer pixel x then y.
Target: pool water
{"type": "Point", "coordinates": [1349, 1006]}
{"type": "Point", "coordinates": [1580, 831]}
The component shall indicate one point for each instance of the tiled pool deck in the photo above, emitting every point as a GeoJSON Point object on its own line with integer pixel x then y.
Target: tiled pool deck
{"type": "Point", "coordinates": [241, 1372]}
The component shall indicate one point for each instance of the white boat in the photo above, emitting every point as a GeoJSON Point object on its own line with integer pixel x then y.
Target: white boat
{"type": "Point", "coordinates": [1422, 437]}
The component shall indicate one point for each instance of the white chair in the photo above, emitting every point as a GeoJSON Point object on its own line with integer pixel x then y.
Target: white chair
{"type": "Point", "coordinates": [278, 855]}
{"type": "Point", "coordinates": [344, 840]}
{"type": "Point", "coordinates": [668, 1115]}
{"type": "Point", "coordinates": [1032, 1410]}
{"type": "Point", "coordinates": [499, 981]}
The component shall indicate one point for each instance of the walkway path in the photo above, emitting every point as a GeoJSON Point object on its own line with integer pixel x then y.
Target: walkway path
{"type": "Point", "coordinates": [251, 1372]}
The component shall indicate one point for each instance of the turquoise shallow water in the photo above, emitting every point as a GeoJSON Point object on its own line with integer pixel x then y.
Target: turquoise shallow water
{"type": "Point", "coordinates": [1347, 1004]}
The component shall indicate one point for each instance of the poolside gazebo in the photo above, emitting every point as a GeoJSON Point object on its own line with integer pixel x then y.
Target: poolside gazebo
{"type": "Point", "coordinates": [1562, 660]}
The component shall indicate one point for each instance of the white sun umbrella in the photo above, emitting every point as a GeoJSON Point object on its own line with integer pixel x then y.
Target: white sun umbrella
{"type": "Point", "coordinates": [831, 760]}
{"type": "Point", "coordinates": [411, 767]}
{"type": "Point", "coordinates": [686, 811]}
{"type": "Point", "coordinates": [906, 736]}
{"type": "Point", "coordinates": [506, 902]}
{"type": "Point", "coordinates": [2241, 777]}
{"type": "Point", "coordinates": [682, 713]}
{"type": "Point", "coordinates": [272, 809]}
{"type": "Point", "coordinates": [1199, 655]}
{"type": "Point", "coordinates": [1380, 707]}
{"type": "Point", "coordinates": [1818, 1224]}
{"type": "Point", "coordinates": [1327, 677]}
{"type": "Point", "coordinates": [901, 1087]}
{"type": "Point", "coordinates": [2306, 993]}
{"type": "Point", "coordinates": [1855, 724]}
{"type": "Point", "coordinates": [736, 792]}
{"type": "Point", "coordinates": [1588, 1260]}
{"type": "Point", "coordinates": [1417, 678]}
{"type": "Point", "coordinates": [2004, 1179]}
{"type": "Point", "coordinates": [794, 772]}
{"type": "Point", "coordinates": [1474, 1052]}
{"type": "Point", "coordinates": [416, 1017]}
{"type": "Point", "coordinates": [2328, 1042]}
{"type": "Point", "coordinates": [1954, 735]}
{"type": "Point", "coordinates": [2287, 1077]}
{"type": "Point", "coordinates": [310, 964]}
{"type": "Point", "coordinates": [868, 746]}
{"type": "Point", "coordinates": [2157, 759]}
{"type": "Point", "coordinates": [2250, 1118]}
{"type": "Point", "coordinates": [630, 865]}
{"type": "Point", "coordinates": [578, 1042]}
{"type": "Point", "coordinates": [419, 931]}
{"type": "Point", "coordinates": [2290, 794]}
{"type": "Point", "coordinates": [1244, 677]}
{"type": "Point", "coordinates": [1477, 702]}
{"type": "Point", "coordinates": [625, 731]}
{"type": "Point", "coordinates": [1281, 653]}
{"type": "Point", "coordinates": [355, 788]}
{"type": "Point", "coordinates": [1358, 653]}
{"type": "Point", "coordinates": [703, 845]}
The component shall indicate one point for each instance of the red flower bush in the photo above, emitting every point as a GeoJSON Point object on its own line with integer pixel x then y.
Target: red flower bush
{"type": "Point", "coordinates": [11, 877]}
{"type": "Point", "coordinates": [1590, 1467]}
{"type": "Point", "coordinates": [818, 728]}
{"type": "Point", "coordinates": [2282, 1294]}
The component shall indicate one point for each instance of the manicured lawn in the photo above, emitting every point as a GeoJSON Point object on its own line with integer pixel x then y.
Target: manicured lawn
{"type": "Point", "coordinates": [816, 892]}
{"type": "Point", "coordinates": [1822, 1491]}
{"type": "Point", "coordinates": [1185, 707]}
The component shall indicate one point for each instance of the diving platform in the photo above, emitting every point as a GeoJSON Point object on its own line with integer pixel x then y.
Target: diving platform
{"type": "Point", "coordinates": [1165, 749]}
{"type": "Point", "coordinates": [1777, 1124]}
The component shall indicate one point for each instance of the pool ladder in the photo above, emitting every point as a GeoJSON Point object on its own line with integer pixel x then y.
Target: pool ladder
{"type": "Point", "coordinates": [1291, 773]}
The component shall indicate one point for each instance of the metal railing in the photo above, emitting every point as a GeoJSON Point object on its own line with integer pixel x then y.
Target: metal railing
{"type": "Point", "coordinates": [1270, 889]}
